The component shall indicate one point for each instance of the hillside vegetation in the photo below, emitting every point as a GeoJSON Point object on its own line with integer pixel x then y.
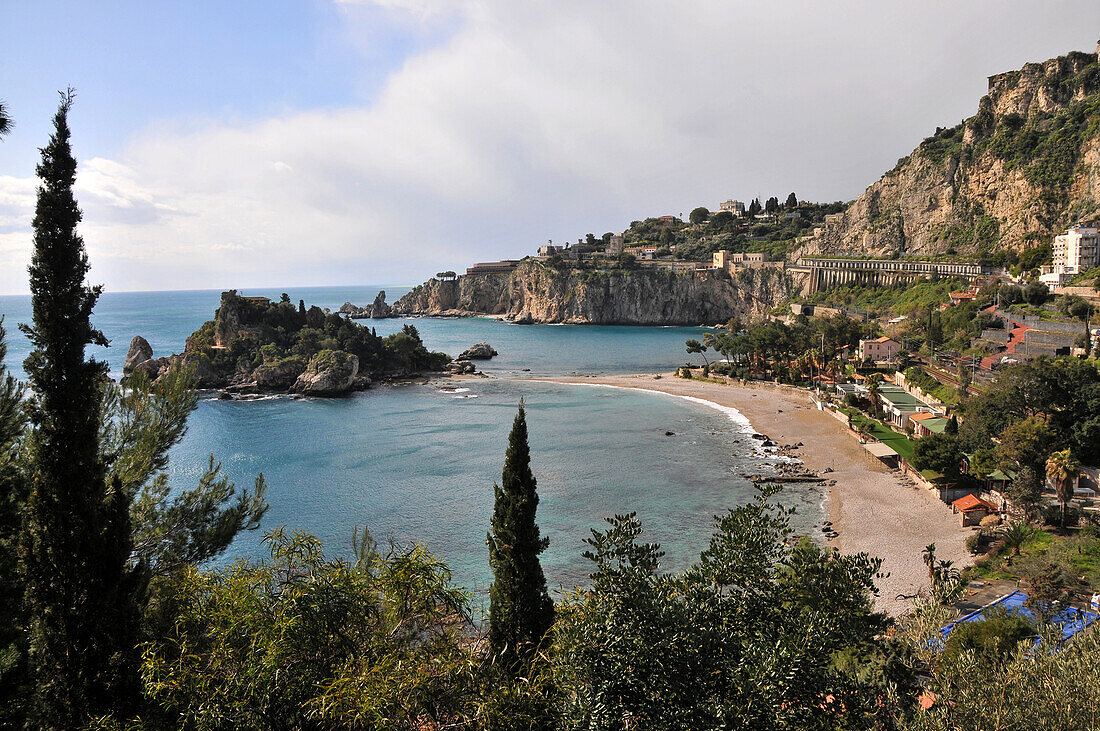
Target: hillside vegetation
{"type": "Point", "coordinates": [996, 186]}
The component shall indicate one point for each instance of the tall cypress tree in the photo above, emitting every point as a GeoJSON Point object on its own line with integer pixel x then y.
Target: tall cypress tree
{"type": "Point", "coordinates": [75, 541]}
{"type": "Point", "coordinates": [12, 497]}
{"type": "Point", "coordinates": [520, 610]}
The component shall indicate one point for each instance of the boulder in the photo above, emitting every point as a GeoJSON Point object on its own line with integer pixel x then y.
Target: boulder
{"type": "Point", "coordinates": [154, 368]}
{"type": "Point", "coordinates": [203, 370]}
{"type": "Point", "coordinates": [279, 375]}
{"type": "Point", "coordinates": [329, 373]}
{"type": "Point", "coordinates": [379, 309]}
{"type": "Point", "coordinates": [139, 352]}
{"type": "Point", "coordinates": [353, 311]}
{"type": "Point", "coordinates": [480, 351]}
{"type": "Point", "coordinates": [459, 367]}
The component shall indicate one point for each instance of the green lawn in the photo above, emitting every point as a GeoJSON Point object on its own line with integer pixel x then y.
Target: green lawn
{"type": "Point", "coordinates": [1077, 554]}
{"type": "Point", "coordinates": [900, 443]}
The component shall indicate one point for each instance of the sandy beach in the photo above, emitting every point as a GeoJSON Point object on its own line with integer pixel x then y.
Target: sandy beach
{"type": "Point", "coordinates": [872, 508]}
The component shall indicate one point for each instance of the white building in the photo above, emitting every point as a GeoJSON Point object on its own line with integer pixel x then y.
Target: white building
{"type": "Point", "coordinates": [737, 208]}
{"type": "Point", "coordinates": [1075, 251]}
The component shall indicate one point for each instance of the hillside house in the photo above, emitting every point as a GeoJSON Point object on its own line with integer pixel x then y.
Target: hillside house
{"type": "Point", "coordinates": [878, 349]}
{"type": "Point", "coordinates": [972, 509]}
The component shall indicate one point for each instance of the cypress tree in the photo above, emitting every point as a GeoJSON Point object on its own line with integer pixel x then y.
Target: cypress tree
{"type": "Point", "coordinates": [12, 497]}
{"type": "Point", "coordinates": [520, 610]}
{"type": "Point", "coordinates": [75, 541]}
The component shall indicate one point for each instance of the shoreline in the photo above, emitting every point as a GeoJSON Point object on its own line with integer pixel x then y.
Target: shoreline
{"type": "Point", "coordinates": [873, 509]}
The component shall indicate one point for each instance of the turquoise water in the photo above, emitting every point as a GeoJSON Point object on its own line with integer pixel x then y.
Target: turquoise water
{"type": "Point", "coordinates": [415, 463]}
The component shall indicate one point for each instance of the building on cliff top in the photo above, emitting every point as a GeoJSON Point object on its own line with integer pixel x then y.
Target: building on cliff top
{"type": "Point", "coordinates": [493, 267]}
{"type": "Point", "coordinates": [1075, 251]}
{"type": "Point", "coordinates": [737, 208]}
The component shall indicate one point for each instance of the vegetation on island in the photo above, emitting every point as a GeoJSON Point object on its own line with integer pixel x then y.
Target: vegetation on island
{"type": "Point", "coordinates": [271, 344]}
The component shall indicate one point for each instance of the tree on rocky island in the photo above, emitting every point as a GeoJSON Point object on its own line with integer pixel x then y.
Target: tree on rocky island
{"type": "Point", "coordinates": [520, 609]}
{"type": "Point", "coordinates": [81, 595]}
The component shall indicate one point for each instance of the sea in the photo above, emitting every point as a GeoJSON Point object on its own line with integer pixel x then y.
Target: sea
{"type": "Point", "coordinates": [417, 462]}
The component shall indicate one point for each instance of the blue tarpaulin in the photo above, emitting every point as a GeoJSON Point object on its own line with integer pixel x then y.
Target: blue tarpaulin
{"type": "Point", "coordinates": [1071, 620]}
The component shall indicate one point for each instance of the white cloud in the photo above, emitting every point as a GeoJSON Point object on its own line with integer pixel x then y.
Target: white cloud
{"type": "Point", "coordinates": [530, 121]}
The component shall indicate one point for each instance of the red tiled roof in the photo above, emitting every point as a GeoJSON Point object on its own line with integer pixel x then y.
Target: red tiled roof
{"type": "Point", "coordinates": [971, 502]}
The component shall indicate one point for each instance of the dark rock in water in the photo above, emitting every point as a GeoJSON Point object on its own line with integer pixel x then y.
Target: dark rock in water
{"type": "Point", "coordinates": [459, 367]}
{"type": "Point", "coordinates": [480, 351]}
{"type": "Point", "coordinates": [380, 310]}
{"type": "Point", "coordinates": [329, 373]}
{"type": "Point", "coordinates": [670, 433]}
{"type": "Point", "coordinates": [762, 437]}
{"type": "Point", "coordinates": [353, 311]}
{"type": "Point", "coordinates": [139, 352]}
{"type": "Point", "coordinates": [225, 396]}
{"type": "Point", "coordinates": [526, 370]}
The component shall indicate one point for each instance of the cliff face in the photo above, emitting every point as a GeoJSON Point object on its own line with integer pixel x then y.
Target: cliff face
{"type": "Point", "coordinates": [1026, 165]}
{"type": "Point", "coordinates": [536, 292]}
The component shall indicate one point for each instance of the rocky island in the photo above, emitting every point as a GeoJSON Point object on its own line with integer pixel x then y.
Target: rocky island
{"type": "Point", "coordinates": [255, 345]}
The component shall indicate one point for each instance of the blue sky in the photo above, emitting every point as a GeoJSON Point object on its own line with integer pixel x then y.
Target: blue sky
{"type": "Point", "coordinates": [136, 64]}
{"type": "Point", "coordinates": [379, 141]}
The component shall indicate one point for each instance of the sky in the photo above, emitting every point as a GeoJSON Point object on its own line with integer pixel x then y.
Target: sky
{"type": "Point", "coordinates": [347, 142]}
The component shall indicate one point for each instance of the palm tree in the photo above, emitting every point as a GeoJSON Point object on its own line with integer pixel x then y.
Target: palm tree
{"type": "Point", "coordinates": [929, 556]}
{"type": "Point", "coordinates": [873, 382]}
{"type": "Point", "coordinates": [5, 120]}
{"type": "Point", "coordinates": [1062, 470]}
{"type": "Point", "coordinates": [1016, 535]}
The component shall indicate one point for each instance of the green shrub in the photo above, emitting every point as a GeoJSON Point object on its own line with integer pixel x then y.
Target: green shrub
{"type": "Point", "coordinates": [994, 638]}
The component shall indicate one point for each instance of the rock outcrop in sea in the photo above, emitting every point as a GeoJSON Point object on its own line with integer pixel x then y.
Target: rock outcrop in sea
{"type": "Point", "coordinates": [479, 351]}
{"type": "Point", "coordinates": [329, 373]}
{"type": "Point", "coordinates": [377, 310]}
{"type": "Point", "coordinates": [538, 292]}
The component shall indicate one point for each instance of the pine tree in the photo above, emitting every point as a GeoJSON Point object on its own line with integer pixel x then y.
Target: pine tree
{"type": "Point", "coordinates": [520, 610]}
{"type": "Point", "coordinates": [75, 541]}
{"type": "Point", "coordinates": [792, 201]}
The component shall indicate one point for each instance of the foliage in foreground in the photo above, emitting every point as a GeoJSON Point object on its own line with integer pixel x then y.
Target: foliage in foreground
{"type": "Point", "coordinates": [1020, 686]}
{"type": "Point", "coordinates": [756, 634]}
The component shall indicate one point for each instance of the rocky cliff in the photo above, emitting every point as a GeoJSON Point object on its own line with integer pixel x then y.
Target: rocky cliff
{"type": "Point", "coordinates": [1008, 178]}
{"type": "Point", "coordinates": [538, 292]}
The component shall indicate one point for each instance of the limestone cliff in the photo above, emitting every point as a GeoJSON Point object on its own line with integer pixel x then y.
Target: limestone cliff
{"type": "Point", "coordinates": [537, 292]}
{"type": "Point", "coordinates": [1026, 165]}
